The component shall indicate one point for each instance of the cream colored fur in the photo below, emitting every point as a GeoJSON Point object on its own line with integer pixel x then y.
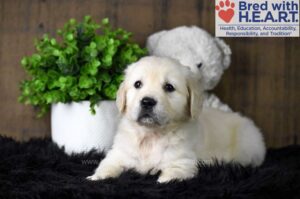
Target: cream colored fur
{"type": "Point", "coordinates": [178, 134]}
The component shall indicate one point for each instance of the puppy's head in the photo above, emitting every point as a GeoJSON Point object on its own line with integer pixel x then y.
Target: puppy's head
{"type": "Point", "coordinates": [158, 92]}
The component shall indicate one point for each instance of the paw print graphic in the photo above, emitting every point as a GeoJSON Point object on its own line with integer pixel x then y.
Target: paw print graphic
{"type": "Point", "coordinates": [225, 10]}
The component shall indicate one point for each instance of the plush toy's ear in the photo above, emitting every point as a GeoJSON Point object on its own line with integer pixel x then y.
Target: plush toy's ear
{"type": "Point", "coordinates": [195, 98]}
{"type": "Point", "coordinates": [152, 41]}
{"type": "Point", "coordinates": [226, 52]}
{"type": "Point", "coordinates": [121, 98]}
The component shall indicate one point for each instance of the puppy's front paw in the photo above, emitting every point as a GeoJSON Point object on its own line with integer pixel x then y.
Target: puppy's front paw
{"type": "Point", "coordinates": [100, 176]}
{"type": "Point", "coordinates": [93, 177]}
{"type": "Point", "coordinates": [105, 172]}
{"type": "Point", "coordinates": [164, 179]}
{"type": "Point", "coordinates": [176, 174]}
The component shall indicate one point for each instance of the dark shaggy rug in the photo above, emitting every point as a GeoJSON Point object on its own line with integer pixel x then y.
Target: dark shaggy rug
{"type": "Point", "coordinates": [39, 169]}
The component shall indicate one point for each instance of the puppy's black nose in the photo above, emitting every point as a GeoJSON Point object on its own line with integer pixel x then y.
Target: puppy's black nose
{"type": "Point", "coordinates": [148, 102]}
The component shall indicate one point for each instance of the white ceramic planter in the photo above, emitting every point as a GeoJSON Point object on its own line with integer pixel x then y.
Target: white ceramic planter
{"type": "Point", "coordinates": [77, 130]}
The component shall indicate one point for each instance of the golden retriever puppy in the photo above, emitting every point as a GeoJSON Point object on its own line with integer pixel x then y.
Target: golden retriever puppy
{"type": "Point", "coordinates": [163, 127]}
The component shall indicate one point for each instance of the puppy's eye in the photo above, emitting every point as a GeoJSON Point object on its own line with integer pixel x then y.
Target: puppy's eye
{"type": "Point", "coordinates": [199, 65]}
{"type": "Point", "coordinates": [138, 84]}
{"type": "Point", "coordinates": [169, 87]}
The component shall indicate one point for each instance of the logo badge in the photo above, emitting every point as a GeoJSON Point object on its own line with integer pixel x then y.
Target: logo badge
{"type": "Point", "coordinates": [257, 18]}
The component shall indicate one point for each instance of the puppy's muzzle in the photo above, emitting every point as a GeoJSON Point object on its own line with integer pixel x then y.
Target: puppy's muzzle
{"type": "Point", "coordinates": [147, 117]}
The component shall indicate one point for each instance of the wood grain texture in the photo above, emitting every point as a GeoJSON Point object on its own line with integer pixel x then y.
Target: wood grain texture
{"type": "Point", "coordinates": [263, 81]}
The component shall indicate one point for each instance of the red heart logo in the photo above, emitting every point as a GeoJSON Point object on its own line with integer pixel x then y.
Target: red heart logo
{"type": "Point", "coordinates": [226, 15]}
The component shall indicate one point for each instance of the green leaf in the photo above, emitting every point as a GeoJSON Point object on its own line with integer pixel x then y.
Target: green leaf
{"type": "Point", "coordinates": [39, 85]}
{"type": "Point", "coordinates": [54, 97]}
{"type": "Point", "coordinates": [87, 18]}
{"type": "Point", "coordinates": [119, 78]}
{"type": "Point", "coordinates": [93, 45]}
{"type": "Point", "coordinates": [110, 91]}
{"type": "Point", "coordinates": [59, 32]}
{"type": "Point", "coordinates": [75, 93]}
{"type": "Point", "coordinates": [100, 42]}
{"type": "Point", "coordinates": [57, 53]}
{"type": "Point", "coordinates": [91, 91]}
{"type": "Point", "coordinates": [65, 82]}
{"type": "Point", "coordinates": [93, 102]}
{"type": "Point", "coordinates": [105, 77]}
{"type": "Point", "coordinates": [107, 61]}
{"type": "Point", "coordinates": [53, 41]}
{"type": "Point", "coordinates": [70, 37]}
{"type": "Point", "coordinates": [86, 82]}
{"type": "Point", "coordinates": [72, 21]}
{"type": "Point", "coordinates": [36, 57]}
{"type": "Point", "coordinates": [93, 53]}
{"type": "Point", "coordinates": [91, 68]}
{"type": "Point", "coordinates": [105, 21]}
{"type": "Point", "coordinates": [24, 61]}
{"type": "Point", "coordinates": [96, 63]}
{"type": "Point", "coordinates": [99, 85]}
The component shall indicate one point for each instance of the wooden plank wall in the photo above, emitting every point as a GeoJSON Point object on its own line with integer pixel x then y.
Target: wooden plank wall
{"type": "Point", "coordinates": [263, 81]}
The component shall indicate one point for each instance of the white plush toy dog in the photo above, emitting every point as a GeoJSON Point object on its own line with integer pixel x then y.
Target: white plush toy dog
{"type": "Point", "coordinates": [194, 47]}
{"type": "Point", "coordinates": [164, 129]}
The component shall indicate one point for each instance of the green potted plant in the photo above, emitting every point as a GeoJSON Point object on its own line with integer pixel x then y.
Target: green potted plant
{"type": "Point", "coordinates": [77, 77]}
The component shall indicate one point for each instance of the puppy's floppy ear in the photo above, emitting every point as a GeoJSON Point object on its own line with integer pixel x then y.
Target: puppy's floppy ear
{"type": "Point", "coordinates": [121, 98]}
{"type": "Point", "coordinates": [195, 98]}
{"type": "Point", "coordinates": [121, 94]}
